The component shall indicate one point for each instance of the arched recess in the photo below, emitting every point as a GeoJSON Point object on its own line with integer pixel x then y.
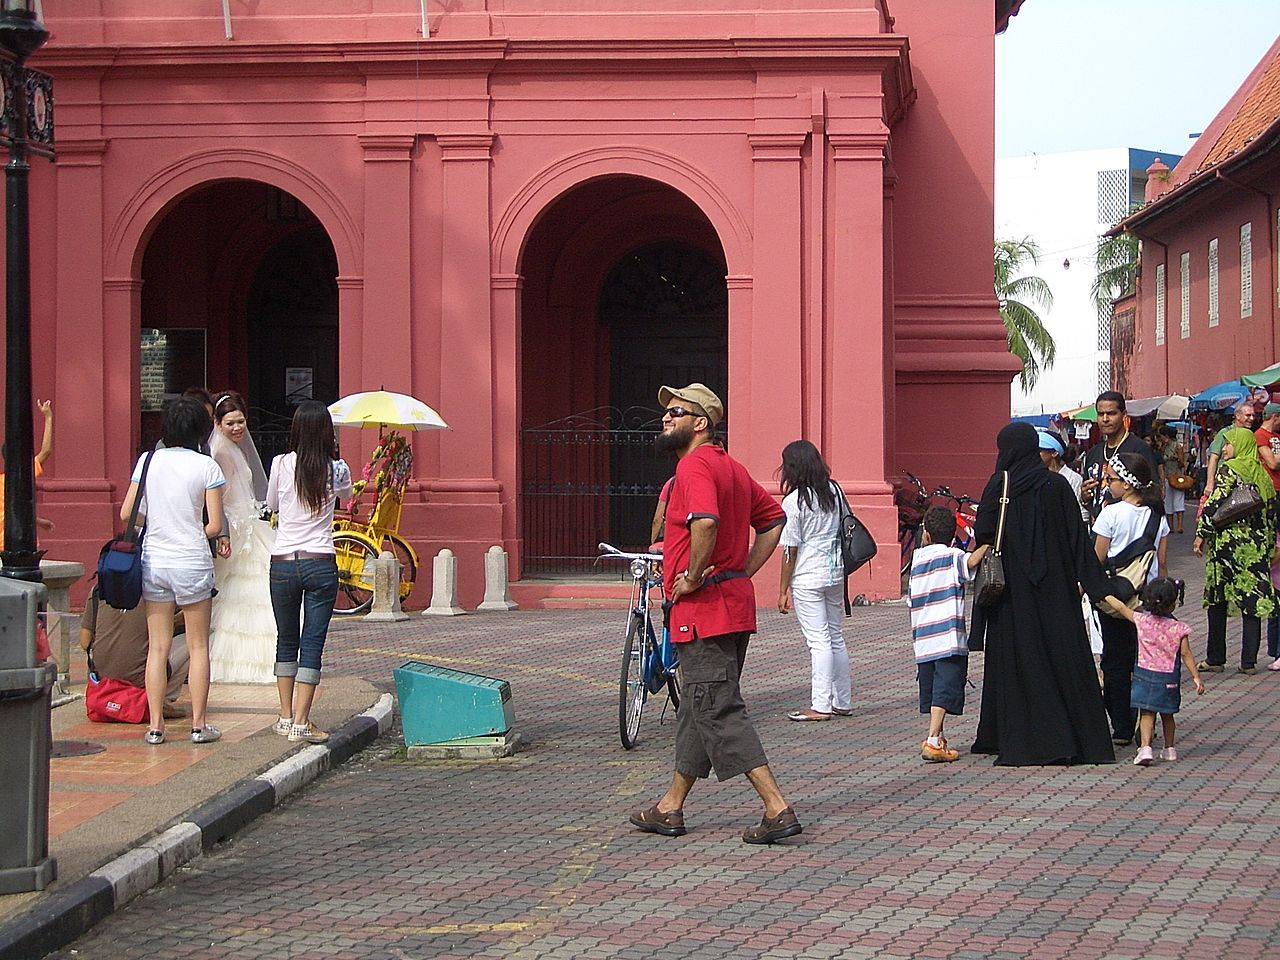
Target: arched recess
{"type": "Point", "coordinates": [624, 289]}
{"type": "Point", "coordinates": [513, 229]}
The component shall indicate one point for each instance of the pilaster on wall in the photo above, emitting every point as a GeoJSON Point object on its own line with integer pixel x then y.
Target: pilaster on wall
{"type": "Point", "coordinates": [775, 339]}
{"type": "Point", "coordinates": [386, 352]}
{"type": "Point", "coordinates": [856, 364]}
{"type": "Point", "coordinates": [467, 452]}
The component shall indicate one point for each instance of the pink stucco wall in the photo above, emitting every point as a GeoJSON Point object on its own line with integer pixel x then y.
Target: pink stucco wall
{"type": "Point", "coordinates": [841, 157]}
{"type": "Point", "coordinates": [1237, 345]}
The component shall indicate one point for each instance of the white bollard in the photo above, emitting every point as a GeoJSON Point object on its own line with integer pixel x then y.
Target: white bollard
{"type": "Point", "coordinates": [386, 590]}
{"type": "Point", "coordinates": [444, 586]}
{"type": "Point", "coordinates": [497, 587]}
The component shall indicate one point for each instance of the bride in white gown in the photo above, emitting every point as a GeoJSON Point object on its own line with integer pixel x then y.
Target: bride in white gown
{"type": "Point", "coordinates": [242, 632]}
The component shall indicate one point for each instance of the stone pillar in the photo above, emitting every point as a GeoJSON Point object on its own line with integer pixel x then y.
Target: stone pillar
{"type": "Point", "coordinates": [387, 358]}
{"type": "Point", "coordinates": [497, 592]}
{"type": "Point", "coordinates": [776, 327]}
{"type": "Point", "coordinates": [386, 590]}
{"type": "Point", "coordinates": [444, 586]}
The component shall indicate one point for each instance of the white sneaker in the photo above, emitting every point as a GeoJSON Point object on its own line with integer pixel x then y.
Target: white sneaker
{"type": "Point", "coordinates": [307, 731]}
{"type": "Point", "coordinates": [1144, 757]}
{"type": "Point", "coordinates": [1275, 664]}
{"type": "Point", "coordinates": [282, 725]}
{"type": "Point", "coordinates": [1168, 753]}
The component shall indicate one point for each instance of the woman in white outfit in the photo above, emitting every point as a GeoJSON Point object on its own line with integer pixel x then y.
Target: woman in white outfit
{"type": "Point", "coordinates": [242, 642]}
{"type": "Point", "coordinates": [813, 576]}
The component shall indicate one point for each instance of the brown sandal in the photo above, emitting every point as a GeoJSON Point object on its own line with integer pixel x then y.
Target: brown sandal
{"type": "Point", "coordinates": [773, 829]}
{"type": "Point", "coordinates": [808, 716]}
{"type": "Point", "coordinates": [655, 821]}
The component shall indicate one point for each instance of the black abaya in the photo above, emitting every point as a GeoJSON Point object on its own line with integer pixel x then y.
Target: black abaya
{"type": "Point", "coordinates": [1040, 698]}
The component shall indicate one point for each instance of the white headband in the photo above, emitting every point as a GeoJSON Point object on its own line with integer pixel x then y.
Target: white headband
{"type": "Point", "coordinates": [1124, 473]}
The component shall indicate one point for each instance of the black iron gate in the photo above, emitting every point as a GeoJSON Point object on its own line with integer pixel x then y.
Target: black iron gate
{"type": "Point", "coordinates": [589, 478]}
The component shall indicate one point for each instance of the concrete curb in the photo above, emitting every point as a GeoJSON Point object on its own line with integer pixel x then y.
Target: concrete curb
{"type": "Point", "coordinates": [70, 912]}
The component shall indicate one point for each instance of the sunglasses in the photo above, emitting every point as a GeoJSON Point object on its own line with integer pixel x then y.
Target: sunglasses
{"type": "Point", "coordinates": [675, 413]}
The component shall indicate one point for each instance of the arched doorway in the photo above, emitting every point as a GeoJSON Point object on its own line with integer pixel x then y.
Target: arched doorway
{"type": "Point", "coordinates": [239, 292]}
{"type": "Point", "coordinates": [624, 291]}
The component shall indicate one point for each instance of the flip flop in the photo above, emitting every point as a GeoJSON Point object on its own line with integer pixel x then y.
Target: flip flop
{"type": "Point", "coordinates": [804, 716]}
{"type": "Point", "coordinates": [836, 711]}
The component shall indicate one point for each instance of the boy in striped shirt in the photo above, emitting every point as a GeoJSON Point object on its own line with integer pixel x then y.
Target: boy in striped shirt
{"type": "Point", "coordinates": [939, 572]}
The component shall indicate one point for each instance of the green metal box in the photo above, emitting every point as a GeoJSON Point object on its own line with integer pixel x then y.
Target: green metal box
{"type": "Point", "coordinates": [438, 704]}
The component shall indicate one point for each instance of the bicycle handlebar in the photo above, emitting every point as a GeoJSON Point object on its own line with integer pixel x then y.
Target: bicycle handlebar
{"type": "Point", "coordinates": [610, 552]}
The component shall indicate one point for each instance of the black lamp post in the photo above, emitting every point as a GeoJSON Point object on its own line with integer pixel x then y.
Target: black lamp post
{"type": "Point", "coordinates": [26, 126]}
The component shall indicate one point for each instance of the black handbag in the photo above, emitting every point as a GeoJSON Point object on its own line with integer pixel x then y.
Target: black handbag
{"type": "Point", "coordinates": [988, 584]}
{"type": "Point", "coordinates": [1241, 503]}
{"type": "Point", "coordinates": [857, 546]}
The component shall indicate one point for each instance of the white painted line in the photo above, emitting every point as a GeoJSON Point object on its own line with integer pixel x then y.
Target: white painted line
{"type": "Point", "coordinates": [131, 873]}
{"type": "Point", "coordinates": [176, 846]}
{"type": "Point", "coordinates": [296, 771]}
{"type": "Point", "coordinates": [381, 712]}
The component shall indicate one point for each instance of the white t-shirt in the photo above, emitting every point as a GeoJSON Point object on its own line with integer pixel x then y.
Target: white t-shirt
{"type": "Point", "coordinates": [1076, 481]}
{"type": "Point", "coordinates": [1124, 523]}
{"type": "Point", "coordinates": [173, 502]}
{"type": "Point", "coordinates": [815, 536]}
{"type": "Point", "coordinates": [298, 529]}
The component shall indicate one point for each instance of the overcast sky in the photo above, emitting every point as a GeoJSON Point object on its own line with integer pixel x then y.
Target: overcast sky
{"type": "Point", "coordinates": [1088, 74]}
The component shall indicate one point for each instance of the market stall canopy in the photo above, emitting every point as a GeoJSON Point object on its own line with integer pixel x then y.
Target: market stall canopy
{"type": "Point", "coordinates": [1184, 425]}
{"type": "Point", "coordinates": [1089, 413]}
{"type": "Point", "coordinates": [381, 408]}
{"type": "Point", "coordinates": [1165, 408]}
{"type": "Point", "coordinates": [1263, 378]}
{"type": "Point", "coordinates": [1223, 396]}
{"type": "Point", "coordinates": [1044, 420]}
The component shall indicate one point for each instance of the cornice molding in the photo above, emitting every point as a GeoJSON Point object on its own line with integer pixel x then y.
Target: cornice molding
{"type": "Point", "coordinates": [465, 146]}
{"type": "Point", "coordinates": [767, 147]}
{"type": "Point", "coordinates": [387, 147]}
{"type": "Point", "coordinates": [80, 153]}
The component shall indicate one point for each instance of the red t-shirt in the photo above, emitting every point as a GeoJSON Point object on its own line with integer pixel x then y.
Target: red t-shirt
{"type": "Point", "coordinates": [711, 484]}
{"type": "Point", "coordinates": [1272, 442]}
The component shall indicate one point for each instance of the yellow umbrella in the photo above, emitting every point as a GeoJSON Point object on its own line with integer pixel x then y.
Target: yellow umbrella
{"type": "Point", "coordinates": [381, 408]}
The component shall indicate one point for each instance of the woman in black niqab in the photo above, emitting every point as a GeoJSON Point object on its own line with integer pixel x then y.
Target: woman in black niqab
{"type": "Point", "coordinates": [1040, 698]}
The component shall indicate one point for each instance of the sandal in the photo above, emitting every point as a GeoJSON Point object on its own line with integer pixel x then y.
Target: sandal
{"type": "Point", "coordinates": [1204, 666]}
{"type": "Point", "coordinates": [849, 713]}
{"type": "Point", "coordinates": [808, 716]}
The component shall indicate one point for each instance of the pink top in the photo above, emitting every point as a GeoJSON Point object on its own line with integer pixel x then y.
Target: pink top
{"type": "Point", "coordinates": [1159, 640]}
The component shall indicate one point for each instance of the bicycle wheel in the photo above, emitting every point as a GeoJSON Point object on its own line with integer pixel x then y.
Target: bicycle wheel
{"type": "Point", "coordinates": [909, 541]}
{"type": "Point", "coordinates": [631, 689]}
{"type": "Point", "coordinates": [354, 555]}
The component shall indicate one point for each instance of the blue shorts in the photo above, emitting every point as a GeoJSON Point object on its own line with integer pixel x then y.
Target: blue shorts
{"type": "Point", "coordinates": [1156, 692]}
{"type": "Point", "coordinates": [942, 683]}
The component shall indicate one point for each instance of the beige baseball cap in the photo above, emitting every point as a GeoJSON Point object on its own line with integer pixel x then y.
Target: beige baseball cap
{"type": "Point", "coordinates": [698, 393]}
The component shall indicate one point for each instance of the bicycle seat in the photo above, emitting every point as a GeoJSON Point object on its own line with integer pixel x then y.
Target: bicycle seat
{"type": "Point", "coordinates": [656, 547]}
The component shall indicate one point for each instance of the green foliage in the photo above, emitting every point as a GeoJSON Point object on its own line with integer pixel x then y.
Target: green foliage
{"type": "Point", "coordinates": [1020, 296]}
{"type": "Point", "coordinates": [1116, 261]}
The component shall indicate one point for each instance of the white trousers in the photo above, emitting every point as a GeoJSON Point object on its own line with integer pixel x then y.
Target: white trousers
{"type": "Point", "coordinates": [820, 611]}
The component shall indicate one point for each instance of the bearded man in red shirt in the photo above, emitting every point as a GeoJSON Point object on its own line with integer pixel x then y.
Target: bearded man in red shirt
{"type": "Point", "coordinates": [709, 559]}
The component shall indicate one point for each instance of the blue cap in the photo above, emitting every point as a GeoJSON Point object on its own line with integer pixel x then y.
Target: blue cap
{"type": "Point", "coordinates": [1049, 442]}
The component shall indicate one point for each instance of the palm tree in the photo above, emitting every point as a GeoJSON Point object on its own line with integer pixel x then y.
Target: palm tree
{"type": "Point", "coordinates": [1020, 297]}
{"type": "Point", "coordinates": [1117, 269]}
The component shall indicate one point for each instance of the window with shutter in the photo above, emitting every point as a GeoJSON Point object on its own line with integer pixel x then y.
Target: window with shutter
{"type": "Point", "coordinates": [1213, 282]}
{"type": "Point", "coordinates": [1184, 276]}
{"type": "Point", "coordinates": [1246, 270]}
{"type": "Point", "coordinates": [1159, 304]}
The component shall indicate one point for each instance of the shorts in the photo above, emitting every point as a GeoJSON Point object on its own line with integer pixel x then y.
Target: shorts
{"type": "Point", "coordinates": [942, 683]}
{"type": "Point", "coordinates": [178, 585]}
{"type": "Point", "coordinates": [1156, 692]}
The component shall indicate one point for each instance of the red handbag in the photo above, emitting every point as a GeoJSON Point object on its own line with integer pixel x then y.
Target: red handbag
{"type": "Point", "coordinates": [114, 701]}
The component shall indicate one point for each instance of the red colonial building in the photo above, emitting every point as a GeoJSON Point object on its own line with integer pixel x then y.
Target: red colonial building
{"type": "Point", "coordinates": [1205, 306]}
{"type": "Point", "coordinates": [529, 214]}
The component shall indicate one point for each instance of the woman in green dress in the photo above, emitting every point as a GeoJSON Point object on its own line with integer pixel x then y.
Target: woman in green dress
{"type": "Point", "coordinates": [1237, 578]}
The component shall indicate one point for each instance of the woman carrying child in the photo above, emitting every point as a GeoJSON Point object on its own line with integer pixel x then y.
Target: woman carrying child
{"type": "Point", "coordinates": [1157, 678]}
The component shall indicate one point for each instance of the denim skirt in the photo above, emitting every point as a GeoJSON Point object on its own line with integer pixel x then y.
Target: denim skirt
{"type": "Point", "coordinates": [1157, 692]}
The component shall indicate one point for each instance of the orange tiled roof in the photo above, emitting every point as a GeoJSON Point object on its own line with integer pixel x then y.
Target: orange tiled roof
{"type": "Point", "coordinates": [1259, 111]}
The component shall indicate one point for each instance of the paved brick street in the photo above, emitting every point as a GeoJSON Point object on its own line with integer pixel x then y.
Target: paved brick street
{"type": "Point", "coordinates": [532, 857]}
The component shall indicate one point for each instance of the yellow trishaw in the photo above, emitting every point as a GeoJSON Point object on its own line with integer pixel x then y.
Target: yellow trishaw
{"type": "Point", "coordinates": [358, 538]}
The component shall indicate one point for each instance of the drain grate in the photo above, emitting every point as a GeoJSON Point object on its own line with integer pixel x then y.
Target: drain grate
{"type": "Point", "coordinates": [75, 748]}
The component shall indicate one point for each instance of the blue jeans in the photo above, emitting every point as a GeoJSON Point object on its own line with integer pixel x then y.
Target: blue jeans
{"type": "Point", "coordinates": [302, 596]}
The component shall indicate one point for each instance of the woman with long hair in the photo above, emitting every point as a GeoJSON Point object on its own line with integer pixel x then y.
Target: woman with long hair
{"type": "Point", "coordinates": [1135, 510]}
{"type": "Point", "coordinates": [1237, 572]}
{"type": "Point", "coordinates": [242, 638]}
{"type": "Point", "coordinates": [1040, 698]}
{"type": "Point", "coordinates": [182, 483]}
{"type": "Point", "coordinates": [813, 576]}
{"type": "Point", "coordinates": [304, 486]}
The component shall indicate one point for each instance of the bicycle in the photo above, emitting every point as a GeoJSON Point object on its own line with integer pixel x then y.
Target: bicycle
{"type": "Point", "coordinates": [647, 665]}
{"type": "Point", "coordinates": [966, 511]}
{"type": "Point", "coordinates": [912, 500]}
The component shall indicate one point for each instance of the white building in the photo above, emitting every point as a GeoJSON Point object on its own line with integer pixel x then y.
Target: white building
{"type": "Point", "coordinates": [1064, 201]}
